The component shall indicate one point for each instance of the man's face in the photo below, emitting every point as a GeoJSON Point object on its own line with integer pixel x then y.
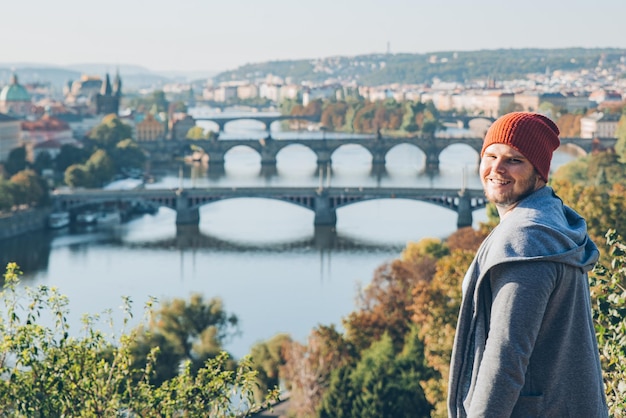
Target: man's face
{"type": "Point", "coordinates": [507, 176]}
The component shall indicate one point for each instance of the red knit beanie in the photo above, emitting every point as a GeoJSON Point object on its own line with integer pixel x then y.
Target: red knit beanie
{"type": "Point", "coordinates": [532, 134]}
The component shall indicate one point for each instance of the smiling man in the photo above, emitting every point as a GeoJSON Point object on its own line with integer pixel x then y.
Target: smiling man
{"type": "Point", "coordinates": [525, 344]}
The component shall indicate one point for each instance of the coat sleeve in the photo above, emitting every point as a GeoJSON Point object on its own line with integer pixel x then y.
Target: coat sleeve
{"type": "Point", "coordinates": [520, 292]}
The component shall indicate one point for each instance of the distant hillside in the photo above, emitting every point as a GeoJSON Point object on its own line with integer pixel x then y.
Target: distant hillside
{"type": "Point", "coordinates": [460, 66]}
{"type": "Point", "coordinates": [133, 77]}
{"type": "Point", "coordinates": [373, 69]}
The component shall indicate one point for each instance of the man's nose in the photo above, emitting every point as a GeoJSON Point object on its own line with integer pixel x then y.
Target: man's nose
{"type": "Point", "coordinates": [498, 165]}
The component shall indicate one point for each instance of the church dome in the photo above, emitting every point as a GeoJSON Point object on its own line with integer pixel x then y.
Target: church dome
{"type": "Point", "coordinates": [14, 92]}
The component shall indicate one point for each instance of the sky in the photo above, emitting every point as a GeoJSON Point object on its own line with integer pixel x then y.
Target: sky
{"type": "Point", "coordinates": [210, 35]}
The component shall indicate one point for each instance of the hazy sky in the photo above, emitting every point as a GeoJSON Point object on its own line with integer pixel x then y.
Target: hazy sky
{"type": "Point", "coordinates": [192, 35]}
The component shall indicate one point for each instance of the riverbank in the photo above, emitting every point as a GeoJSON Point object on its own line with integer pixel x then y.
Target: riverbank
{"type": "Point", "coordinates": [23, 221]}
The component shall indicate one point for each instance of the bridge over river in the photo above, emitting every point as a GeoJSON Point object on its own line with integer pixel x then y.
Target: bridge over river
{"type": "Point", "coordinates": [322, 201]}
{"type": "Point", "coordinates": [378, 146]}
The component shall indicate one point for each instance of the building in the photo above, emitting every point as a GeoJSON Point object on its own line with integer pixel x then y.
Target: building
{"type": "Point", "coordinates": [225, 93]}
{"type": "Point", "coordinates": [51, 147]}
{"type": "Point", "coordinates": [180, 124]}
{"type": "Point", "coordinates": [47, 130]}
{"type": "Point", "coordinates": [108, 100]}
{"type": "Point", "coordinates": [91, 95]}
{"type": "Point", "coordinates": [15, 99]}
{"type": "Point", "coordinates": [528, 101]}
{"type": "Point", "coordinates": [80, 94]}
{"type": "Point", "coordinates": [10, 135]}
{"type": "Point", "coordinates": [149, 129]}
{"type": "Point", "coordinates": [599, 125]}
{"type": "Point", "coordinates": [247, 91]}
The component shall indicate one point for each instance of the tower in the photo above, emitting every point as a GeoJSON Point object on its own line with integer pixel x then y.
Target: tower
{"type": "Point", "coordinates": [108, 100]}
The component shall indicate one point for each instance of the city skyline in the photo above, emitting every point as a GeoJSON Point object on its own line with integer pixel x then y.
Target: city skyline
{"type": "Point", "coordinates": [216, 36]}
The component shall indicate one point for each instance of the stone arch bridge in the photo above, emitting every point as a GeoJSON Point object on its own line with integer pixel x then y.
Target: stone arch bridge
{"type": "Point", "coordinates": [265, 119]}
{"type": "Point", "coordinates": [268, 148]}
{"type": "Point", "coordinates": [323, 202]}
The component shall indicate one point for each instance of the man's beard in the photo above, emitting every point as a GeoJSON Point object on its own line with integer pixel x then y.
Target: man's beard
{"type": "Point", "coordinates": [510, 198]}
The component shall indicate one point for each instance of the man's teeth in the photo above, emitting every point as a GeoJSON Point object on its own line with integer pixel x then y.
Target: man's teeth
{"type": "Point", "coordinates": [501, 182]}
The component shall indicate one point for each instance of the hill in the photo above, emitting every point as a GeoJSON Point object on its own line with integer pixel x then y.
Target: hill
{"type": "Point", "coordinates": [372, 69]}
{"type": "Point", "coordinates": [133, 77]}
{"type": "Point", "coordinates": [457, 66]}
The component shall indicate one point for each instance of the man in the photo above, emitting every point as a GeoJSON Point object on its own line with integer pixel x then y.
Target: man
{"type": "Point", "coordinates": [525, 344]}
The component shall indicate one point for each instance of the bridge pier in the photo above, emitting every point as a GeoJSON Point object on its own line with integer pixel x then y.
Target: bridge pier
{"type": "Point", "coordinates": [268, 170]}
{"type": "Point", "coordinates": [464, 210]}
{"type": "Point", "coordinates": [215, 157]}
{"type": "Point", "coordinates": [268, 157]}
{"type": "Point", "coordinates": [432, 163]}
{"type": "Point", "coordinates": [216, 170]}
{"type": "Point", "coordinates": [325, 237]}
{"type": "Point", "coordinates": [325, 214]}
{"type": "Point", "coordinates": [185, 213]}
{"type": "Point", "coordinates": [378, 170]}
{"type": "Point", "coordinates": [378, 157]}
{"type": "Point", "coordinates": [323, 158]}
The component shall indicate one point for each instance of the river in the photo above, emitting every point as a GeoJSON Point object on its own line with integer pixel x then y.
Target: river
{"type": "Point", "coordinates": [261, 257]}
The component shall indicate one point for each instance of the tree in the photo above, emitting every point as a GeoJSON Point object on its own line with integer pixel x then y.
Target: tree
{"type": "Point", "coordinates": [193, 331]}
{"type": "Point", "coordinates": [338, 400]}
{"type": "Point", "coordinates": [268, 359]}
{"type": "Point", "coordinates": [382, 384]}
{"type": "Point", "coordinates": [158, 101]}
{"type": "Point", "coordinates": [408, 119]}
{"type": "Point", "coordinates": [69, 155]}
{"type": "Point", "coordinates": [620, 145]}
{"type": "Point", "coordinates": [77, 175]}
{"type": "Point", "coordinates": [308, 367]}
{"type": "Point", "coordinates": [128, 155]}
{"type": "Point", "coordinates": [100, 167]}
{"type": "Point", "coordinates": [601, 206]}
{"type": "Point", "coordinates": [29, 188]}
{"type": "Point", "coordinates": [196, 133]}
{"type": "Point", "coordinates": [111, 131]}
{"type": "Point", "coordinates": [6, 195]}
{"type": "Point", "coordinates": [435, 310]}
{"type": "Point", "coordinates": [43, 161]}
{"type": "Point", "coordinates": [608, 295]}
{"type": "Point", "coordinates": [575, 171]}
{"type": "Point", "coordinates": [334, 116]}
{"type": "Point", "coordinates": [16, 160]}
{"type": "Point", "coordinates": [48, 373]}
{"type": "Point", "coordinates": [383, 306]}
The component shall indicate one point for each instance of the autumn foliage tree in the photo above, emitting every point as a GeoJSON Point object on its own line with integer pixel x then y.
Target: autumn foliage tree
{"type": "Point", "coordinates": [309, 366]}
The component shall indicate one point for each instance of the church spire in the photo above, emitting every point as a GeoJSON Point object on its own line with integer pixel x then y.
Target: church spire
{"type": "Point", "coordinates": [117, 84]}
{"type": "Point", "coordinates": [106, 87]}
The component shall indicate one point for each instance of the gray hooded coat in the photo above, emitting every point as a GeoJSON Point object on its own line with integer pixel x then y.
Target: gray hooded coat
{"type": "Point", "coordinates": [525, 344]}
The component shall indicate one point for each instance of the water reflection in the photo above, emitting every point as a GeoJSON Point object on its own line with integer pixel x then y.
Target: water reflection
{"type": "Point", "coordinates": [191, 237]}
{"type": "Point", "coordinates": [30, 251]}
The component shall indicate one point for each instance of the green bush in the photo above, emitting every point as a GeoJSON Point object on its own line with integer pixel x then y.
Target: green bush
{"type": "Point", "coordinates": [608, 294]}
{"type": "Point", "coordinates": [45, 372]}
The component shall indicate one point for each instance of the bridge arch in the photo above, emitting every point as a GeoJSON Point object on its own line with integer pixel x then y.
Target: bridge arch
{"type": "Point", "coordinates": [407, 154]}
{"type": "Point", "coordinates": [306, 157]}
{"type": "Point", "coordinates": [479, 125]}
{"type": "Point", "coordinates": [351, 151]}
{"type": "Point", "coordinates": [573, 149]}
{"type": "Point", "coordinates": [246, 123]}
{"type": "Point", "coordinates": [243, 158]}
{"type": "Point", "coordinates": [323, 202]}
{"type": "Point", "coordinates": [377, 147]}
{"type": "Point", "coordinates": [460, 153]}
